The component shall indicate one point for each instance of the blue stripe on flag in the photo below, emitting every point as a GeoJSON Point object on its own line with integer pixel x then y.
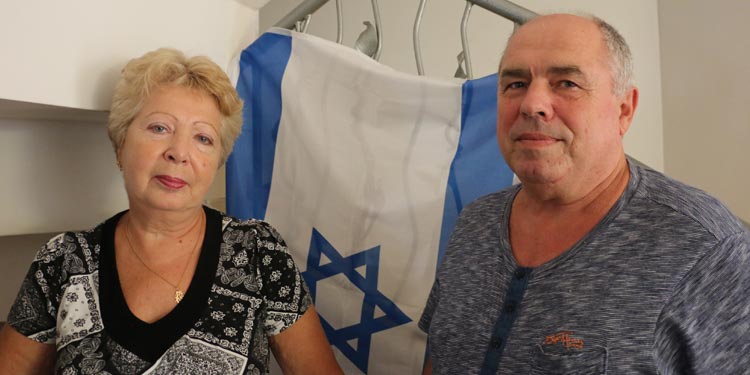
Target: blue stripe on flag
{"type": "Point", "coordinates": [262, 67]}
{"type": "Point", "coordinates": [478, 167]}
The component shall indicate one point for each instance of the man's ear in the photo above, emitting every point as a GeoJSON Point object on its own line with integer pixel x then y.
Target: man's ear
{"type": "Point", "coordinates": [628, 103]}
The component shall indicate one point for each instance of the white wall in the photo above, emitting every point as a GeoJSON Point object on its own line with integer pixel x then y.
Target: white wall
{"type": "Point", "coordinates": [74, 50]}
{"type": "Point", "coordinates": [706, 76]}
{"type": "Point", "coordinates": [440, 38]}
{"type": "Point", "coordinates": [60, 61]}
{"type": "Point", "coordinates": [53, 170]}
{"type": "Point", "coordinates": [57, 167]}
{"type": "Point", "coordinates": [17, 252]}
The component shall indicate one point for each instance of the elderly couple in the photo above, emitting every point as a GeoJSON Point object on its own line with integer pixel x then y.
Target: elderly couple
{"type": "Point", "coordinates": [593, 264]}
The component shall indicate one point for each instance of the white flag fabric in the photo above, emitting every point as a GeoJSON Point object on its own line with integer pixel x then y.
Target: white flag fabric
{"type": "Point", "coordinates": [363, 170]}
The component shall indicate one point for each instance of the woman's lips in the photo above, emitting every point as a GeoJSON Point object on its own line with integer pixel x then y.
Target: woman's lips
{"type": "Point", "coordinates": [171, 182]}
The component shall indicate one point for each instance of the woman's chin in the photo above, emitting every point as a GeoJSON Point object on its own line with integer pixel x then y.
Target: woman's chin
{"type": "Point", "coordinates": [170, 204]}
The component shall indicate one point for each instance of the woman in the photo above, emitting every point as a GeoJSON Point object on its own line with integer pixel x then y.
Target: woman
{"type": "Point", "coordinates": [168, 286]}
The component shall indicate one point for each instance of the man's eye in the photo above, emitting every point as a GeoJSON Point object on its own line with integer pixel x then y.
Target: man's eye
{"type": "Point", "coordinates": [515, 86]}
{"type": "Point", "coordinates": [568, 84]}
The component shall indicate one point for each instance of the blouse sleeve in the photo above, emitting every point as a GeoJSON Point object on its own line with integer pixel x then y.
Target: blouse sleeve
{"type": "Point", "coordinates": [34, 312]}
{"type": "Point", "coordinates": [286, 294]}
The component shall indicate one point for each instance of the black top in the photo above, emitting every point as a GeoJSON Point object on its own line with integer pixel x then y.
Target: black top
{"type": "Point", "coordinates": [150, 340]}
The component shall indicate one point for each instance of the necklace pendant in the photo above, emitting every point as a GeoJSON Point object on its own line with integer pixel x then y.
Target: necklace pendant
{"type": "Point", "coordinates": [178, 296]}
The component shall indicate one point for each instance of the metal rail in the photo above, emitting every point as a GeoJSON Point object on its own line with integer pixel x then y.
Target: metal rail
{"type": "Point", "coordinates": [504, 8]}
{"type": "Point", "coordinates": [339, 22]}
{"type": "Point", "coordinates": [415, 35]}
{"type": "Point", "coordinates": [518, 14]}
{"type": "Point", "coordinates": [378, 28]}
{"type": "Point", "coordinates": [465, 40]}
{"type": "Point", "coordinates": [300, 12]}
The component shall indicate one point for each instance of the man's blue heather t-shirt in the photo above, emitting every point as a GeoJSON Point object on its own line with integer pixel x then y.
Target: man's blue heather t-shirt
{"type": "Point", "coordinates": [662, 283]}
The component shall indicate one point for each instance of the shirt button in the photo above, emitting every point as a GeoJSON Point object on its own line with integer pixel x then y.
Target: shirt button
{"type": "Point", "coordinates": [520, 273]}
{"type": "Point", "coordinates": [510, 308]}
{"type": "Point", "coordinates": [496, 342]}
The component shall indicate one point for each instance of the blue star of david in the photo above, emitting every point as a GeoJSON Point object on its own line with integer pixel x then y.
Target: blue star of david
{"type": "Point", "coordinates": [368, 324]}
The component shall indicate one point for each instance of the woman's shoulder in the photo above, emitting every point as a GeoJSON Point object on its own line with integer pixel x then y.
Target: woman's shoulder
{"type": "Point", "coordinates": [228, 220]}
{"type": "Point", "coordinates": [234, 229]}
{"type": "Point", "coordinates": [252, 254]}
{"type": "Point", "coordinates": [79, 248]}
{"type": "Point", "coordinates": [68, 257]}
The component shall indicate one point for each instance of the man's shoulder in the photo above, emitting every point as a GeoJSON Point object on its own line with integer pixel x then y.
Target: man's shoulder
{"type": "Point", "coordinates": [687, 201]}
{"type": "Point", "coordinates": [481, 215]}
{"type": "Point", "coordinates": [491, 202]}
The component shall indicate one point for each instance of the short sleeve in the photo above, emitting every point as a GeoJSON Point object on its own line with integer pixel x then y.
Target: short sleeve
{"type": "Point", "coordinates": [704, 326]}
{"type": "Point", "coordinates": [34, 312]}
{"type": "Point", "coordinates": [286, 294]}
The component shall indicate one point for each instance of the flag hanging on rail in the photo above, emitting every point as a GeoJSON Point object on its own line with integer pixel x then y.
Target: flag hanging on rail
{"type": "Point", "coordinates": [363, 170]}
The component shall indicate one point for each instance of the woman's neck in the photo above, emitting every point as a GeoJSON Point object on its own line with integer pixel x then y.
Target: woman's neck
{"type": "Point", "coordinates": [153, 227]}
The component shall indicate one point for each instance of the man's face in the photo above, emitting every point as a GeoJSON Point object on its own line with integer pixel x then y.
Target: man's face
{"type": "Point", "coordinates": [558, 119]}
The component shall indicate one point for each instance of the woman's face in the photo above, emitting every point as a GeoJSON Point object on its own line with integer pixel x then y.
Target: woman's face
{"type": "Point", "coordinates": [172, 149]}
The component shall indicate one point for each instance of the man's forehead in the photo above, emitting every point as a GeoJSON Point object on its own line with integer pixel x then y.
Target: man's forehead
{"type": "Point", "coordinates": [556, 24]}
{"type": "Point", "coordinates": [555, 41]}
{"type": "Point", "coordinates": [561, 31]}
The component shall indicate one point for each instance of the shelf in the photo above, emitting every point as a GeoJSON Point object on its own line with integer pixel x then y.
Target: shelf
{"type": "Point", "coordinates": [13, 109]}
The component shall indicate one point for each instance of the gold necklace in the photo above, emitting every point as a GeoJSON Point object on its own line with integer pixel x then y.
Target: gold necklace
{"type": "Point", "coordinates": [178, 294]}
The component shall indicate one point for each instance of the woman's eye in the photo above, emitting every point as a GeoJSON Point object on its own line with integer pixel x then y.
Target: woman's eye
{"type": "Point", "coordinates": [205, 140]}
{"type": "Point", "coordinates": [158, 128]}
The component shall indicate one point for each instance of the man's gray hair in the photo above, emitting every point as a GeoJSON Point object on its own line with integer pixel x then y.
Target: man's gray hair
{"type": "Point", "coordinates": [621, 60]}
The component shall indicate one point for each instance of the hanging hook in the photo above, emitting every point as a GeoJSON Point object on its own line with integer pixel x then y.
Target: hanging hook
{"type": "Point", "coordinates": [367, 40]}
{"type": "Point", "coordinates": [460, 73]}
{"type": "Point", "coordinates": [417, 48]}
{"type": "Point", "coordinates": [370, 39]}
{"type": "Point", "coordinates": [339, 22]}
{"type": "Point", "coordinates": [301, 25]}
{"type": "Point", "coordinates": [465, 40]}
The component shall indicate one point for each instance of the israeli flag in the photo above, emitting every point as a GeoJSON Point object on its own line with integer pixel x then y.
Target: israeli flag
{"type": "Point", "coordinates": [363, 170]}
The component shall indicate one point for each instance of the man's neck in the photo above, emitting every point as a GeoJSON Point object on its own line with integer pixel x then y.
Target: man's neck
{"type": "Point", "coordinates": [543, 226]}
{"type": "Point", "coordinates": [576, 196]}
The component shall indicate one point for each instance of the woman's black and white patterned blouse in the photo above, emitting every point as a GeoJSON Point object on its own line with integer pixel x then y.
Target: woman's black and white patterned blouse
{"type": "Point", "coordinates": [246, 288]}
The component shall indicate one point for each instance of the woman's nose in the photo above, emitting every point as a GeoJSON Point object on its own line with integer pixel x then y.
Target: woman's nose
{"type": "Point", "coordinates": [177, 152]}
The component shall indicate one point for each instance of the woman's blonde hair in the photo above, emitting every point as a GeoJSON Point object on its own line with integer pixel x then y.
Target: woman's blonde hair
{"type": "Point", "coordinates": [164, 67]}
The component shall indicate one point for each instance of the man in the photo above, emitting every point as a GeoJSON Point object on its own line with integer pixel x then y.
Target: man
{"type": "Point", "coordinates": [593, 263]}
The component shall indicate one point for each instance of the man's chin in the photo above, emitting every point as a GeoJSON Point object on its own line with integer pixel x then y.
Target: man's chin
{"type": "Point", "coordinates": [538, 172]}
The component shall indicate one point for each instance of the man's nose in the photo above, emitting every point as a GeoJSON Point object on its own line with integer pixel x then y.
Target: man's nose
{"type": "Point", "coordinates": [537, 103]}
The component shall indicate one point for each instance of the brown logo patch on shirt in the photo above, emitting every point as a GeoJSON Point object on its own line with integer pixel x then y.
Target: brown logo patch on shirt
{"type": "Point", "coordinates": [564, 339]}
